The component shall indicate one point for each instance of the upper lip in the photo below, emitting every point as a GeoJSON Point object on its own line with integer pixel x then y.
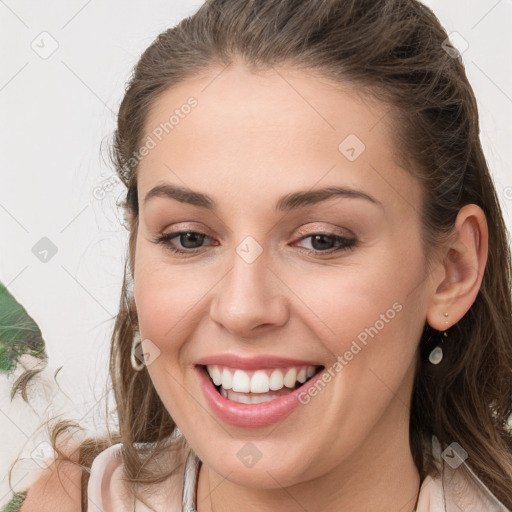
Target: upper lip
{"type": "Point", "coordinates": [253, 362]}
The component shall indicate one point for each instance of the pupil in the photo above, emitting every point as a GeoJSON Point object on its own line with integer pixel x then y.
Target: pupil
{"type": "Point", "coordinates": [190, 237]}
{"type": "Point", "coordinates": [320, 238]}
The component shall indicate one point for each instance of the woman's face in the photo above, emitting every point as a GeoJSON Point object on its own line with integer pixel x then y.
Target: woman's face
{"type": "Point", "coordinates": [255, 282]}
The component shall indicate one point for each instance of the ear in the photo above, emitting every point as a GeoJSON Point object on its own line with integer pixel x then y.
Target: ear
{"type": "Point", "coordinates": [463, 264]}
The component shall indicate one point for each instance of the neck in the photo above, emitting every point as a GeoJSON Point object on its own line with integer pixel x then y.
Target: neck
{"type": "Point", "coordinates": [379, 475]}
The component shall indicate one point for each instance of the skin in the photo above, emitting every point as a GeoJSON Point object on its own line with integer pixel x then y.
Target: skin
{"type": "Point", "coordinates": [251, 139]}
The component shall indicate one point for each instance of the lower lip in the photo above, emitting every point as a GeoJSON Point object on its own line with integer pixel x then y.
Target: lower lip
{"type": "Point", "coordinates": [252, 415]}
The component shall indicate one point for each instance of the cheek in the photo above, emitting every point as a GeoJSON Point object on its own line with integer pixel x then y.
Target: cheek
{"type": "Point", "coordinates": [371, 312]}
{"type": "Point", "coordinates": [345, 301]}
{"type": "Point", "coordinates": [339, 303]}
{"type": "Point", "coordinates": [168, 298]}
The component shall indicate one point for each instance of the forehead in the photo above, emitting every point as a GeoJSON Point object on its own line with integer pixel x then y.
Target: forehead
{"type": "Point", "coordinates": [283, 101]}
{"type": "Point", "coordinates": [281, 129]}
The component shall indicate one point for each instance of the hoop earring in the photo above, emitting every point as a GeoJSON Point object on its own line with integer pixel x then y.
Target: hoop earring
{"type": "Point", "coordinates": [436, 356]}
{"type": "Point", "coordinates": [135, 361]}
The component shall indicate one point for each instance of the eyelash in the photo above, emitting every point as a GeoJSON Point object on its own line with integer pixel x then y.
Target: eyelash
{"type": "Point", "coordinates": [345, 243]}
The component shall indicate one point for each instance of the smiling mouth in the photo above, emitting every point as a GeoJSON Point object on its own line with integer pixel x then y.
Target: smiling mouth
{"type": "Point", "coordinates": [258, 386]}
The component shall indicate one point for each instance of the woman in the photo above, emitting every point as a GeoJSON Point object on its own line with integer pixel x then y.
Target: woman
{"type": "Point", "coordinates": [316, 310]}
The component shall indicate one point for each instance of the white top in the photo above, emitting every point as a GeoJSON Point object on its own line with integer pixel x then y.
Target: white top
{"type": "Point", "coordinates": [456, 490]}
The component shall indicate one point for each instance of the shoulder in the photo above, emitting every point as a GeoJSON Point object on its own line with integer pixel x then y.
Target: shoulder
{"type": "Point", "coordinates": [108, 489]}
{"type": "Point", "coordinates": [456, 489]}
{"type": "Point", "coordinates": [57, 487]}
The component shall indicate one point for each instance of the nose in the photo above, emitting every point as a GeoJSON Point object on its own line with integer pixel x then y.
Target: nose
{"type": "Point", "coordinates": [250, 299]}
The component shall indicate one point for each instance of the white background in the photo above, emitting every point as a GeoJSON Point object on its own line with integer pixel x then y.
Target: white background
{"type": "Point", "coordinates": [56, 112]}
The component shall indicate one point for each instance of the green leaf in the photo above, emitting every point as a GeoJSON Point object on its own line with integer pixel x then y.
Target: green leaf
{"type": "Point", "coordinates": [15, 504]}
{"type": "Point", "coordinates": [19, 334]}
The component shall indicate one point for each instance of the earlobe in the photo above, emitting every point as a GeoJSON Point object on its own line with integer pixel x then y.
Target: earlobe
{"type": "Point", "coordinates": [463, 263]}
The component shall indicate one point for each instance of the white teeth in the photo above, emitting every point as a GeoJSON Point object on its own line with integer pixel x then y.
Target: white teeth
{"type": "Point", "coordinates": [259, 381]}
{"type": "Point", "coordinates": [276, 380]}
{"type": "Point", "coordinates": [216, 375]}
{"type": "Point", "coordinates": [242, 398]}
{"type": "Point", "coordinates": [241, 382]}
{"type": "Point", "coordinates": [290, 378]}
{"type": "Point", "coordinates": [227, 378]}
{"type": "Point", "coordinates": [263, 398]}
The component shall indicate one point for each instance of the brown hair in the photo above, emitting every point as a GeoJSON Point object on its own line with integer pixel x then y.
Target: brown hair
{"type": "Point", "coordinates": [396, 52]}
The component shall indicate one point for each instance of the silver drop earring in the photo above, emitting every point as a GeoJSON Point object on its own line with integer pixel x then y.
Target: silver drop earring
{"type": "Point", "coordinates": [136, 364]}
{"type": "Point", "coordinates": [436, 356]}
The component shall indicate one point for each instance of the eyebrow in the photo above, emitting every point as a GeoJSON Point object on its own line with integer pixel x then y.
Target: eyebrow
{"type": "Point", "coordinates": [287, 202]}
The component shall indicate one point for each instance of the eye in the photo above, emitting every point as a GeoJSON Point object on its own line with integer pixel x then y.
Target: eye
{"type": "Point", "coordinates": [327, 243]}
{"type": "Point", "coordinates": [190, 240]}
